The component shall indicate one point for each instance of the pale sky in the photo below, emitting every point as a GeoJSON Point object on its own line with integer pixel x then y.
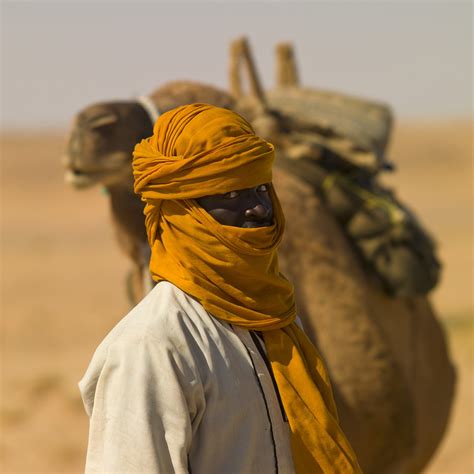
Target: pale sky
{"type": "Point", "coordinates": [60, 56]}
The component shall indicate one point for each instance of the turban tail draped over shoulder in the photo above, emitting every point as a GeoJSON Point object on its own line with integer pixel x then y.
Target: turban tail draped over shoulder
{"type": "Point", "coordinates": [200, 150]}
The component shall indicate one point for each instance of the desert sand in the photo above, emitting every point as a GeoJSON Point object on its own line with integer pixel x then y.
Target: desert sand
{"type": "Point", "coordinates": [63, 279]}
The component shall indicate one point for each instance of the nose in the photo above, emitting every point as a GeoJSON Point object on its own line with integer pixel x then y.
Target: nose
{"type": "Point", "coordinates": [257, 212]}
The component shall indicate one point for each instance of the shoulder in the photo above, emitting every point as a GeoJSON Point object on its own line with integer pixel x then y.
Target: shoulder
{"type": "Point", "coordinates": [163, 315]}
{"type": "Point", "coordinates": [166, 325]}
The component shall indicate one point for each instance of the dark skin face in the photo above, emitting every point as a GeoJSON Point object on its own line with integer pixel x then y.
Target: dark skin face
{"type": "Point", "coordinates": [247, 208]}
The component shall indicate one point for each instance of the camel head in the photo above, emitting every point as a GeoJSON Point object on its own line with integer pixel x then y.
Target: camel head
{"type": "Point", "coordinates": [101, 143]}
{"type": "Point", "coordinates": [103, 135]}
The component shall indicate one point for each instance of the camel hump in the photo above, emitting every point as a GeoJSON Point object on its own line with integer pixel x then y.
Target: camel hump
{"type": "Point", "coordinates": [176, 93]}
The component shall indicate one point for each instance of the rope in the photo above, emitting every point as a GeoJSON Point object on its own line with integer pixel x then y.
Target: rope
{"type": "Point", "coordinates": [150, 108]}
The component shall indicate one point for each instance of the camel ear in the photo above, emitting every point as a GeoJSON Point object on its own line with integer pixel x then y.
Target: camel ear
{"type": "Point", "coordinates": [103, 120]}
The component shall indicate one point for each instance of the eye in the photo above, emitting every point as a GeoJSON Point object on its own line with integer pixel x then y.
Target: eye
{"type": "Point", "coordinates": [231, 195]}
{"type": "Point", "coordinates": [263, 188]}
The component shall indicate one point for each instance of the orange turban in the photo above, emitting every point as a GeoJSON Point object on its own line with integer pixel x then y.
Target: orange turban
{"type": "Point", "coordinates": [199, 150]}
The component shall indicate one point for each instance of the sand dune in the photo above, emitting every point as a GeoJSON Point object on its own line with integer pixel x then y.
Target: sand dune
{"type": "Point", "coordinates": [63, 287]}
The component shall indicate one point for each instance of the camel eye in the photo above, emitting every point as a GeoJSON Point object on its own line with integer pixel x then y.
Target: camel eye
{"type": "Point", "coordinates": [231, 195]}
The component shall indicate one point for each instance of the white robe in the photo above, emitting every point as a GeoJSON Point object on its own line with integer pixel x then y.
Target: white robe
{"type": "Point", "coordinates": [172, 389]}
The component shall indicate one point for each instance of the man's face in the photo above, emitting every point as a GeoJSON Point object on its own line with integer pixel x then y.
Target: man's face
{"type": "Point", "coordinates": [250, 207]}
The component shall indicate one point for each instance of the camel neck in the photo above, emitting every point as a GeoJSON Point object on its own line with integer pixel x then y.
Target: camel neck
{"type": "Point", "coordinates": [120, 191]}
{"type": "Point", "coordinates": [127, 209]}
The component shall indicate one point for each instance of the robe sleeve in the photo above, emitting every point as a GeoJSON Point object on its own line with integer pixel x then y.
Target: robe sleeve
{"type": "Point", "coordinates": [145, 399]}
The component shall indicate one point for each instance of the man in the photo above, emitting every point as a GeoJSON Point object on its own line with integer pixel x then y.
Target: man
{"type": "Point", "coordinates": [209, 373]}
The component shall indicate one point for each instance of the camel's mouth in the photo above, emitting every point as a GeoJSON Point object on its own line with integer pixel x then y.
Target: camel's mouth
{"type": "Point", "coordinates": [81, 180]}
{"type": "Point", "coordinates": [110, 169]}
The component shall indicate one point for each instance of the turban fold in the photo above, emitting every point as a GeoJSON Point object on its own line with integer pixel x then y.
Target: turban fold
{"type": "Point", "coordinates": [199, 150]}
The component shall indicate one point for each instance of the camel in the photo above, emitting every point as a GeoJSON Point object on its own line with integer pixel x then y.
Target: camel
{"type": "Point", "coordinates": [388, 360]}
